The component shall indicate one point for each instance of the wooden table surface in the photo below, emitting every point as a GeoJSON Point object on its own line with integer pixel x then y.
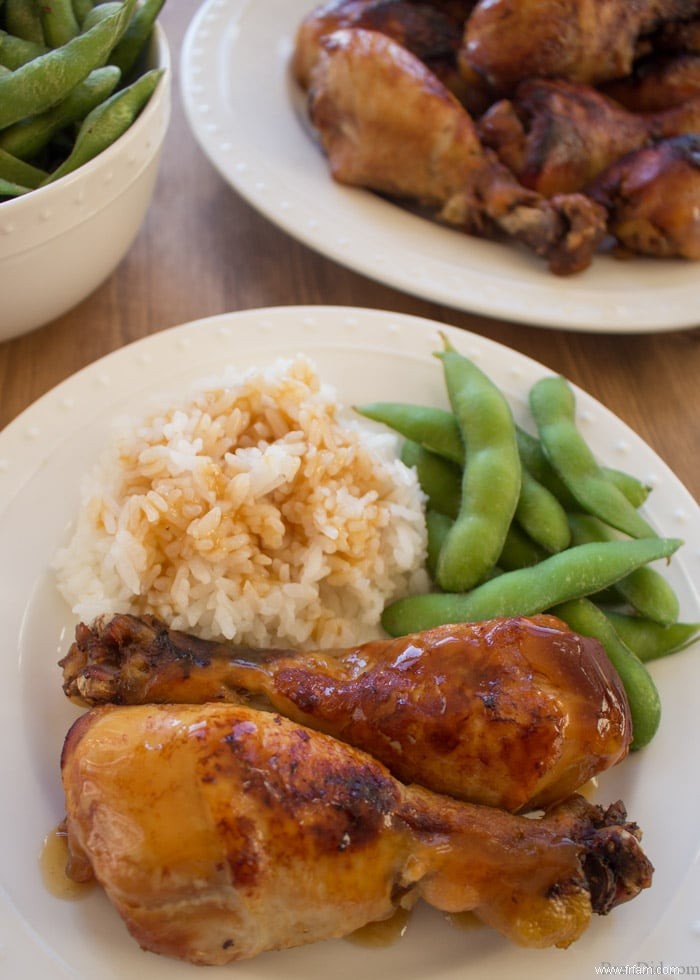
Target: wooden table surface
{"type": "Point", "coordinates": [203, 250]}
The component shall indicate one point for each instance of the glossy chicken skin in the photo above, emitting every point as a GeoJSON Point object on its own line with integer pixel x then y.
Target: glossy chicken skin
{"type": "Point", "coordinates": [431, 31]}
{"type": "Point", "coordinates": [512, 712]}
{"type": "Point", "coordinates": [557, 136]}
{"type": "Point", "coordinates": [582, 40]}
{"type": "Point", "coordinates": [653, 196]}
{"type": "Point", "coordinates": [388, 124]}
{"type": "Point", "coordinates": [659, 83]}
{"type": "Point", "coordinates": [219, 832]}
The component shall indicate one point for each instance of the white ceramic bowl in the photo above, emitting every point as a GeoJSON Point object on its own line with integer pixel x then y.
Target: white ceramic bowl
{"type": "Point", "coordinates": [59, 242]}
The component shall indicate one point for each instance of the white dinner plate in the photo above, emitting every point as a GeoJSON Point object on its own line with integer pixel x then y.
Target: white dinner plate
{"type": "Point", "coordinates": [43, 456]}
{"type": "Point", "coordinates": [248, 117]}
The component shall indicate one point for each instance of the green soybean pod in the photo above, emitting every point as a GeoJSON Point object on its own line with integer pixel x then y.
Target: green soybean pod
{"type": "Point", "coordinates": [439, 479]}
{"type": "Point", "coordinates": [645, 589]}
{"type": "Point", "coordinates": [650, 640]}
{"type": "Point", "coordinates": [645, 704]}
{"type": "Point", "coordinates": [552, 404]}
{"type": "Point", "coordinates": [8, 188]}
{"type": "Point", "coordinates": [25, 139]}
{"type": "Point", "coordinates": [632, 488]}
{"type": "Point", "coordinates": [48, 79]}
{"type": "Point", "coordinates": [571, 574]}
{"type": "Point", "coordinates": [19, 172]}
{"type": "Point", "coordinates": [99, 12]}
{"type": "Point", "coordinates": [434, 428]}
{"type": "Point", "coordinates": [438, 526]}
{"type": "Point", "coordinates": [541, 515]}
{"type": "Point", "coordinates": [15, 51]}
{"type": "Point", "coordinates": [81, 8]}
{"type": "Point", "coordinates": [491, 478]}
{"type": "Point", "coordinates": [136, 35]}
{"type": "Point", "coordinates": [22, 19]}
{"type": "Point", "coordinates": [519, 550]}
{"type": "Point", "coordinates": [58, 21]}
{"type": "Point", "coordinates": [108, 122]}
{"type": "Point", "coordinates": [533, 456]}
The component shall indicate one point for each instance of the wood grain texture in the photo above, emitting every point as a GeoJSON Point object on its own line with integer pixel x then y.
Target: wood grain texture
{"type": "Point", "coordinates": [203, 251]}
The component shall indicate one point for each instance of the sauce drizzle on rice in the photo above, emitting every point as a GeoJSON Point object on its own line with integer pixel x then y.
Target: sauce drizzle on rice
{"type": "Point", "coordinates": [254, 510]}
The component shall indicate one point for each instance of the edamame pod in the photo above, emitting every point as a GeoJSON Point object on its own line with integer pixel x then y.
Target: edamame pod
{"type": "Point", "coordinates": [645, 590]}
{"type": "Point", "coordinates": [136, 35]}
{"type": "Point", "coordinates": [491, 478]}
{"type": "Point", "coordinates": [22, 19]}
{"type": "Point", "coordinates": [439, 479]}
{"type": "Point", "coordinates": [519, 551]}
{"type": "Point", "coordinates": [15, 51]}
{"type": "Point", "coordinates": [552, 404]}
{"type": "Point", "coordinates": [108, 122]}
{"type": "Point", "coordinates": [58, 21]}
{"type": "Point", "coordinates": [650, 640]}
{"type": "Point", "coordinates": [48, 79]}
{"type": "Point", "coordinates": [632, 488]}
{"type": "Point", "coordinates": [541, 515]}
{"type": "Point", "coordinates": [438, 526]}
{"type": "Point", "coordinates": [434, 428]}
{"type": "Point", "coordinates": [532, 456]}
{"type": "Point", "coordinates": [571, 574]}
{"type": "Point", "coordinates": [99, 12]}
{"type": "Point", "coordinates": [18, 172]}
{"type": "Point", "coordinates": [81, 8]}
{"type": "Point", "coordinates": [27, 138]}
{"type": "Point", "coordinates": [9, 189]}
{"type": "Point", "coordinates": [645, 704]}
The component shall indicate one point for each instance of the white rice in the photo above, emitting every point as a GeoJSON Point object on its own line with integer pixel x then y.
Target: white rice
{"type": "Point", "coordinates": [254, 511]}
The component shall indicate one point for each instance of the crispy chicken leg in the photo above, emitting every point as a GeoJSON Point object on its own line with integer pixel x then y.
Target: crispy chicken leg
{"type": "Point", "coordinates": [219, 832]}
{"type": "Point", "coordinates": [582, 40]}
{"type": "Point", "coordinates": [557, 136]}
{"type": "Point", "coordinates": [653, 196]}
{"type": "Point", "coordinates": [509, 712]}
{"type": "Point", "coordinates": [658, 83]}
{"type": "Point", "coordinates": [387, 123]}
{"type": "Point", "coordinates": [431, 31]}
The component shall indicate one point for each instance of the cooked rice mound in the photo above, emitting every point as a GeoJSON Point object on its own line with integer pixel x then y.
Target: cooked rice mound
{"type": "Point", "coordinates": [254, 511]}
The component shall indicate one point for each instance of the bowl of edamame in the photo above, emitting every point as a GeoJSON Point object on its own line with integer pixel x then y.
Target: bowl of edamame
{"type": "Point", "coordinates": [84, 109]}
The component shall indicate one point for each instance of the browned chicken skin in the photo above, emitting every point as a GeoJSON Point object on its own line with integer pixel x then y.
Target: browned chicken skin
{"type": "Point", "coordinates": [653, 196]}
{"type": "Point", "coordinates": [512, 713]}
{"type": "Point", "coordinates": [582, 40]}
{"type": "Point", "coordinates": [658, 83]}
{"type": "Point", "coordinates": [387, 123]}
{"type": "Point", "coordinates": [431, 31]}
{"type": "Point", "coordinates": [219, 832]}
{"type": "Point", "coordinates": [556, 136]}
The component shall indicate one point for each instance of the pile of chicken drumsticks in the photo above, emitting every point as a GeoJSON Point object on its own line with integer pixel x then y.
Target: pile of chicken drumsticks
{"type": "Point", "coordinates": [567, 125]}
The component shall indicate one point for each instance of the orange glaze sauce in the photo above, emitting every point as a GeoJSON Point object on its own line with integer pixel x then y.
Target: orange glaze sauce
{"type": "Point", "coordinates": [52, 861]}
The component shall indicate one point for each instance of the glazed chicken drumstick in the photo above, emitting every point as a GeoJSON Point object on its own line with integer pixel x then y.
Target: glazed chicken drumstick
{"type": "Point", "coordinates": [582, 40]}
{"type": "Point", "coordinates": [387, 123]}
{"type": "Point", "coordinates": [557, 136]}
{"type": "Point", "coordinates": [653, 195]}
{"type": "Point", "coordinates": [432, 34]}
{"type": "Point", "coordinates": [509, 712]}
{"type": "Point", "coordinates": [218, 832]}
